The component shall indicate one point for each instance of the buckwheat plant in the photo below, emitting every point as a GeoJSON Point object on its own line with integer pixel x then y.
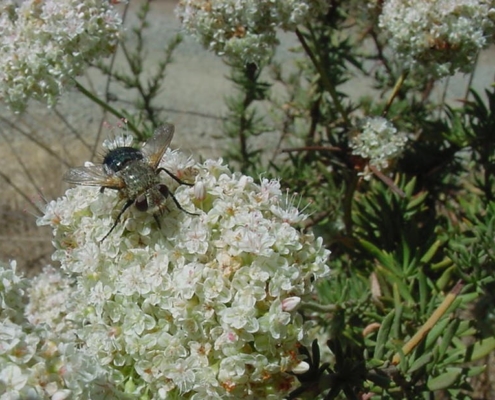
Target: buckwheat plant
{"type": "Point", "coordinates": [244, 30]}
{"type": "Point", "coordinates": [45, 44]}
{"type": "Point", "coordinates": [438, 37]}
{"type": "Point", "coordinates": [35, 362]}
{"type": "Point", "coordinates": [205, 307]}
{"type": "Point", "coordinates": [378, 142]}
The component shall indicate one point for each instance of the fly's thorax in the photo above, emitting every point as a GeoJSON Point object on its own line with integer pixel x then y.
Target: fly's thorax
{"type": "Point", "coordinates": [117, 159]}
{"type": "Point", "coordinates": [138, 178]}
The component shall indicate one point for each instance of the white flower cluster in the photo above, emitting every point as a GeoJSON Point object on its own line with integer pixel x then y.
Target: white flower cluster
{"type": "Point", "coordinates": [378, 142]}
{"type": "Point", "coordinates": [34, 362]}
{"type": "Point", "coordinates": [438, 37]}
{"type": "Point", "coordinates": [50, 296]}
{"type": "Point", "coordinates": [206, 307]}
{"type": "Point", "coordinates": [244, 30]}
{"type": "Point", "coordinates": [44, 44]}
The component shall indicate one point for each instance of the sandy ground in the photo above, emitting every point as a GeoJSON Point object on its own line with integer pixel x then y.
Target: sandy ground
{"type": "Point", "coordinates": [192, 98]}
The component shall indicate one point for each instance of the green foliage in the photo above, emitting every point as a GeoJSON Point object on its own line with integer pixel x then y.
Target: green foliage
{"type": "Point", "coordinates": [243, 121]}
{"type": "Point", "coordinates": [403, 242]}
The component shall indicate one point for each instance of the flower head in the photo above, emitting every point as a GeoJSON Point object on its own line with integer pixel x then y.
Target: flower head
{"type": "Point", "coordinates": [206, 307]}
{"type": "Point", "coordinates": [244, 30]}
{"type": "Point", "coordinates": [378, 142]}
{"type": "Point", "coordinates": [438, 37]}
{"type": "Point", "coordinates": [35, 362]}
{"type": "Point", "coordinates": [47, 43]}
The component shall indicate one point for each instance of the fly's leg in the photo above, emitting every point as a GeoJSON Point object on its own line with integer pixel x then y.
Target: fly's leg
{"type": "Point", "coordinates": [165, 191]}
{"type": "Point", "coordinates": [157, 220]}
{"type": "Point", "coordinates": [126, 206]}
{"type": "Point", "coordinates": [181, 182]}
{"type": "Point", "coordinates": [179, 206]}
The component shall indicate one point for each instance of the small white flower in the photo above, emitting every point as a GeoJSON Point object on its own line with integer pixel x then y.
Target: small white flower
{"type": "Point", "coordinates": [301, 368]}
{"type": "Point", "coordinates": [13, 379]}
{"type": "Point", "coordinates": [276, 321]}
{"type": "Point", "coordinates": [199, 191]}
{"type": "Point", "coordinates": [290, 303]}
{"type": "Point", "coordinates": [61, 395]}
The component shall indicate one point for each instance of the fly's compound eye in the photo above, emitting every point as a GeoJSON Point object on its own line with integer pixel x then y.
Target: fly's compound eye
{"type": "Point", "coordinates": [163, 189]}
{"type": "Point", "coordinates": [141, 203]}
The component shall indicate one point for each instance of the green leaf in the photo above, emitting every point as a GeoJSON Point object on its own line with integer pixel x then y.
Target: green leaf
{"type": "Point", "coordinates": [383, 335]}
{"type": "Point", "coordinates": [476, 370]}
{"type": "Point", "coordinates": [435, 332]}
{"type": "Point", "coordinates": [417, 201]}
{"type": "Point", "coordinates": [445, 380]}
{"type": "Point", "coordinates": [448, 334]}
{"type": "Point", "coordinates": [445, 278]}
{"type": "Point", "coordinates": [430, 253]}
{"type": "Point", "coordinates": [397, 323]}
{"type": "Point", "coordinates": [482, 349]}
{"type": "Point", "coordinates": [420, 362]}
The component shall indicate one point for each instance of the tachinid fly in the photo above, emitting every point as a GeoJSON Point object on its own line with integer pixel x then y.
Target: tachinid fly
{"type": "Point", "coordinates": [135, 174]}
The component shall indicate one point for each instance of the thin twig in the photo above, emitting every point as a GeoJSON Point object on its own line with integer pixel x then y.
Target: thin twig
{"type": "Point", "coordinates": [444, 96]}
{"type": "Point", "coordinates": [178, 111]}
{"type": "Point", "coordinates": [385, 179]}
{"type": "Point", "coordinates": [105, 106]}
{"type": "Point", "coordinates": [107, 88]}
{"type": "Point", "coordinates": [429, 324]}
{"type": "Point", "coordinates": [324, 77]}
{"type": "Point", "coordinates": [35, 140]}
{"type": "Point", "coordinates": [395, 92]}
{"type": "Point", "coordinates": [471, 77]}
{"type": "Point", "coordinates": [21, 162]}
{"type": "Point", "coordinates": [311, 148]}
{"type": "Point", "coordinates": [24, 239]}
{"type": "Point", "coordinates": [71, 128]}
{"type": "Point", "coordinates": [18, 190]}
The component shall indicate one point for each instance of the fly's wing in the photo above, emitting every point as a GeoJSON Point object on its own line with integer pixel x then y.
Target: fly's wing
{"type": "Point", "coordinates": [93, 175]}
{"type": "Point", "coordinates": [155, 147]}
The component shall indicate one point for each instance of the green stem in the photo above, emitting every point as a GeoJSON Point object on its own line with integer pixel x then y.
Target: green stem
{"type": "Point", "coordinates": [323, 75]}
{"type": "Point", "coordinates": [323, 308]}
{"type": "Point", "coordinates": [395, 92]}
{"type": "Point", "coordinates": [348, 198]}
{"type": "Point", "coordinates": [106, 107]}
